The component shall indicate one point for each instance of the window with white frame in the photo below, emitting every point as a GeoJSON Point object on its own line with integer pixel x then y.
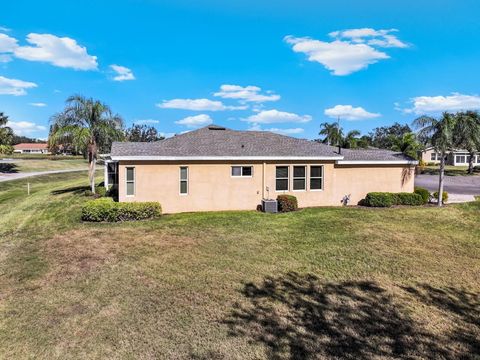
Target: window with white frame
{"type": "Point", "coordinates": [299, 178]}
{"type": "Point", "coordinates": [316, 177]}
{"type": "Point", "coordinates": [130, 181]}
{"type": "Point", "coordinates": [281, 178]}
{"type": "Point", "coordinates": [242, 171]}
{"type": "Point", "coordinates": [433, 156]}
{"type": "Point", "coordinates": [183, 180]}
{"type": "Point", "coordinates": [461, 158]}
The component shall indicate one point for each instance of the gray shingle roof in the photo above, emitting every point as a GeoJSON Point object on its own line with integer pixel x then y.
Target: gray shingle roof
{"type": "Point", "coordinates": [216, 141]}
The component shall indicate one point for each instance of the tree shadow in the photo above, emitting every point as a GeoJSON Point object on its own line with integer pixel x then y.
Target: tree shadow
{"type": "Point", "coordinates": [8, 168]}
{"type": "Point", "coordinates": [77, 190]}
{"type": "Point", "coordinates": [299, 317]}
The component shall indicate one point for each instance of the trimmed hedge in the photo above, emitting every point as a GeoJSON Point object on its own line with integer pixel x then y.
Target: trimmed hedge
{"type": "Point", "coordinates": [444, 196]}
{"type": "Point", "coordinates": [105, 209]}
{"type": "Point", "coordinates": [287, 203]}
{"type": "Point", "coordinates": [424, 193]}
{"type": "Point", "coordinates": [386, 199]}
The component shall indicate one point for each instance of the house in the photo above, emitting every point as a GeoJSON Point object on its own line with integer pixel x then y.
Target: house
{"type": "Point", "coordinates": [215, 168]}
{"type": "Point", "coordinates": [31, 148]}
{"type": "Point", "coordinates": [454, 158]}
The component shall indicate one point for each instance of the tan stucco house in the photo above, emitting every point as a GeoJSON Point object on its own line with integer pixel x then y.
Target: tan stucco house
{"type": "Point", "coordinates": [215, 168]}
{"type": "Point", "coordinates": [454, 158]}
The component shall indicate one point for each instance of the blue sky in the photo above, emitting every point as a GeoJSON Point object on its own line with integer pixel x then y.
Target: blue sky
{"type": "Point", "coordinates": [285, 66]}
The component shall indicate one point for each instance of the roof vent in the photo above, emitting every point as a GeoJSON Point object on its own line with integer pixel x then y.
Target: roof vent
{"type": "Point", "coordinates": [216, 127]}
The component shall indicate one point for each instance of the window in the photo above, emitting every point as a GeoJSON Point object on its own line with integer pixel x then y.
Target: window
{"type": "Point", "coordinates": [478, 159]}
{"type": "Point", "coordinates": [242, 171]}
{"type": "Point", "coordinates": [130, 180]}
{"type": "Point", "coordinates": [281, 178]}
{"type": "Point", "coordinates": [183, 180]}
{"type": "Point", "coordinates": [299, 177]}
{"type": "Point", "coordinates": [461, 159]}
{"type": "Point", "coordinates": [433, 156]}
{"type": "Point", "coordinates": [316, 177]}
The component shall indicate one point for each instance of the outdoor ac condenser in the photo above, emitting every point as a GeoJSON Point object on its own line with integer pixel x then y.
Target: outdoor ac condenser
{"type": "Point", "coordinates": [269, 206]}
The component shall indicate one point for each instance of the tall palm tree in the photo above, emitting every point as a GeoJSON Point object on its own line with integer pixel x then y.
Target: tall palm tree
{"type": "Point", "coordinates": [351, 139]}
{"type": "Point", "coordinates": [6, 133]}
{"type": "Point", "coordinates": [407, 144]}
{"type": "Point", "coordinates": [332, 132]}
{"type": "Point", "coordinates": [440, 134]}
{"type": "Point", "coordinates": [89, 124]}
{"type": "Point", "coordinates": [467, 134]}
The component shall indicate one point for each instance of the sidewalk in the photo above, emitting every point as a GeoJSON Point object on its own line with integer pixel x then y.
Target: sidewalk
{"type": "Point", "coordinates": [16, 176]}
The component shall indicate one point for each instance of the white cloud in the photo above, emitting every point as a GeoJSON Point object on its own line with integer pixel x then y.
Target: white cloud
{"type": "Point", "coordinates": [348, 112]}
{"type": "Point", "coordinates": [350, 51]}
{"type": "Point", "coordinates": [14, 86]}
{"type": "Point", "coordinates": [246, 94]}
{"type": "Point", "coordinates": [5, 29]}
{"type": "Point", "coordinates": [275, 116]}
{"type": "Point", "coordinates": [123, 73]}
{"type": "Point", "coordinates": [436, 104]}
{"type": "Point", "coordinates": [7, 43]}
{"type": "Point", "coordinates": [290, 131]}
{"type": "Point", "coordinates": [146, 121]}
{"type": "Point", "coordinates": [25, 127]}
{"type": "Point", "coordinates": [195, 121]}
{"type": "Point", "coordinates": [59, 51]}
{"type": "Point", "coordinates": [197, 105]}
{"type": "Point", "coordinates": [38, 104]}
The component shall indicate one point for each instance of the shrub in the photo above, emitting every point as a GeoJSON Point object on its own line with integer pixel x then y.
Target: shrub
{"type": "Point", "coordinates": [287, 203]}
{"type": "Point", "coordinates": [101, 191]}
{"type": "Point", "coordinates": [6, 149]}
{"type": "Point", "coordinates": [88, 193]}
{"type": "Point", "coordinates": [105, 209]}
{"type": "Point", "coordinates": [379, 199]}
{"type": "Point", "coordinates": [476, 168]}
{"type": "Point", "coordinates": [424, 193]}
{"type": "Point", "coordinates": [411, 199]}
{"type": "Point", "coordinates": [444, 196]}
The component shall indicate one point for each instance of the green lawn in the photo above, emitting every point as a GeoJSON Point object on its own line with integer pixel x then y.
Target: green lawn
{"type": "Point", "coordinates": [449, 170]}
{"type": "Point", "coordinates": [353, 283]}
{"type": "Point", "coordinates": [33, 165]}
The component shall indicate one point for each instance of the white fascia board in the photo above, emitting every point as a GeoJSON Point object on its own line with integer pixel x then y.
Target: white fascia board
{"type": "Point", "coordinates": [219, 158]}
{"type": "Point", "coordinates": [377, 162]}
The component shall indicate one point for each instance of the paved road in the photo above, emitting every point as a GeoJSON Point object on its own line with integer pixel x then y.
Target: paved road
{"type": "Point", "coordinates": [15, 176]}
{"type": "Point", "coordinates": [466, 185]}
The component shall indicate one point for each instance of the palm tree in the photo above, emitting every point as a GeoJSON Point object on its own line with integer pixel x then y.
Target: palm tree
{"type": "Point", "coordinates": [407, 144]}
{"type": "Point", "coordinates": [333, 134]}
{"type": "Point", "coordinates": [89, 124]}
{"type": "Point", "coordinates": [351, 139]}
{"type": "Point", "coordinates": [440, 135]}
{"type": "Point", "coordinates": [6, 133]}
{"type": "Point", "coordinates": [467, 134]}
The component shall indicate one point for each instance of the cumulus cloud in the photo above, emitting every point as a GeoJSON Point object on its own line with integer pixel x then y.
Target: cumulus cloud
{"type": "Point", "coordinates": [37, 104]}
{"type": "Point", "coordinates": [275, 116]}
{"type": "Point", "coordinates": [59, 51]}
{"type": "Point", "coordinates": [25, 127]}
{"type": "Point", "coordinates": [195, 121]}
{"type": "Point", "coordinates": [5, 29]}
{"type": "Point", "coordinates": [146, 121]}
{"type": "Point", "coordinates": [348, 112]}
{"type": "Point", "coordinates": [289, 131]}
{"type": "Point", "coordinates": [122, 73]}
{"type": "Point", "coordinates": [436, 104]}
{"type": "Point", "coordinates": [7, 43]}
{"type": "Point", "coordinates": [350, 51]}
{"type": "Point", "coordinates": [197, 105]}
{"type": "Point", "coordinates": [14, 87]}
{"type": "Point", "coordinates": [245, 93]}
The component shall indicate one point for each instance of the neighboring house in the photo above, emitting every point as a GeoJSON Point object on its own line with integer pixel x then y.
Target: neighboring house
{"type": "Point", "coordinates": [215, 168]}
{"type": "Point", "coordinates": [31, 148]}
{"type": "Point", "coordinates": [454, 158]}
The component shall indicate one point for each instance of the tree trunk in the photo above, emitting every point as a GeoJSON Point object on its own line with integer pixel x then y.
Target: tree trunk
{"type": "Point", "coordinates": [92, 160]}
{"type": "Point", "coordinates": [440, 182]}
{"type": "Point", "coordinates": [470, 162]}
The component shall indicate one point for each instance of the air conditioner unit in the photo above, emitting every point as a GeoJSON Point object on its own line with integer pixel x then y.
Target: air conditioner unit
{"type": "Point", "coordinates": [269, 206]}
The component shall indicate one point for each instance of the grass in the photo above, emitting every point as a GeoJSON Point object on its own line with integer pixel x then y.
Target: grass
{"type": "Point", "coordinates": [34, 165]}
{"type": "Point", "coordinates": [449, 170]}
{"type": "Point", "coordinates": [319, 283]}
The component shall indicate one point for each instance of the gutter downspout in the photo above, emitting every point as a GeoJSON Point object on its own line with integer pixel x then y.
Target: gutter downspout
{"type": "Point", "coordinates": [263, 180]}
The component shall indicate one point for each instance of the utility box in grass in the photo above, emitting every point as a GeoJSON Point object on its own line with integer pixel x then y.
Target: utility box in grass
{"type": "Point", "coordinates": [269, 206]}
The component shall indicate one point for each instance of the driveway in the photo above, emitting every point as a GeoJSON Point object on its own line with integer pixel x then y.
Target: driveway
{"type": "Point", "coordinates": [15, 176]}
{"type": "Point", "coordinates": [464, 185]}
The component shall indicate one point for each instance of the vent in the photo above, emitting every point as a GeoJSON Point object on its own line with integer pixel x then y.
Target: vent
{"type": "Point", "coordinates": [216, 127]}
{"type": "Point", "coordinates": [269, 206]}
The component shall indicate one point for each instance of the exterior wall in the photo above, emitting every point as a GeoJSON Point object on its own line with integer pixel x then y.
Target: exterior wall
{"type": "Point", "coordinates": [212, 188]}
{"type": "Point", "coordinates": [427, 156]}
{"type": "Point", "coordinates": [31, 151]}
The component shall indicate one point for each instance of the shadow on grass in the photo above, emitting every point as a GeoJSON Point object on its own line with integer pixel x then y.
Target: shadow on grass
{"type": "Point", "coordinates": [8, 168]}
{"type": "Point", "coordinates": [299, 317]}
{"type": "Point", "coordinates": [77, 190]}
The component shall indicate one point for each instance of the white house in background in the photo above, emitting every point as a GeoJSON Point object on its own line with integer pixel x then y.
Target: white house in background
{"type": "Point", "coordinates": [454, 158]}
{"type": "Point", "coordinates": [31, 148]}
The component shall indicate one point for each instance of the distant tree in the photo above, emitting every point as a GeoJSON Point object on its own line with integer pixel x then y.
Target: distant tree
{"type": "Point", "coordinates": [6, 133]}
{"type": "Point", "coordinates": [467, 134]}
{"type": "Point", "coordinates": [350, 141]}
{"type": "Point", "coordinates": [364, 142]}
{"type": "Point", "coordinates": [439, 133]}
{"type": "Point", "coordinates": [385, 137]}
{"type": "Point", "coordinates": [332, 134]}
{"type": "Point", "coordinates": [142, 133]}
{"type": "Point", "coordinates": [18, 139]}
{"type": "Point", "coordinates": [408, 145]}
{"type": "Point", "coordinates": [89, 124]}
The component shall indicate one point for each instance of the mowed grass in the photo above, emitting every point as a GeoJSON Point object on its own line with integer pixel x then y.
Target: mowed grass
{"type": "Point", "coordinates": [41, 164]}
{"type": "Point", "coordinates": [319, 283]}
{"type": "Point", "coordinates": [449, 170]}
